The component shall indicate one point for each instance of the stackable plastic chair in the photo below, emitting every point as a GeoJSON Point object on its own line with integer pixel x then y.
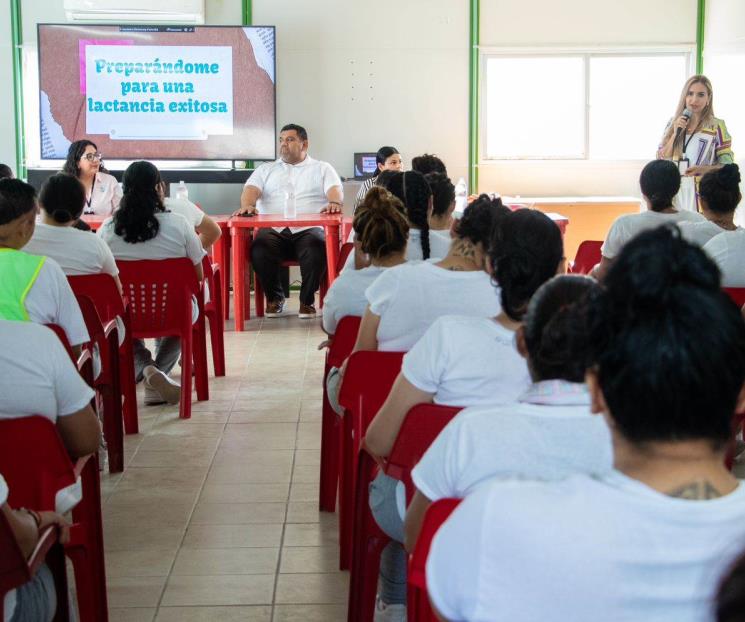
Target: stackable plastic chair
{"type": "Point", "coordinates": [107, 386]}
{"type": "Point", "coordinates": [102, 290]}
{"type": "Point", "coordinates": [259, 292]}
{"type": "Point", "coordinates": [737, 294]}
{"type": "Point", "coordinates": [418, 608]}
{"type": "Point", "coordinates": [341, 347]}
{"type": "Point", "coordinates": [368, 379]}
{"type": "Point", "coordinates": [587, 257]}
{"type": "Point", "coordinates": [36, 466]}
{"type": "Point", "coordinates": [213, 311]}
{"type": "Point", "coordinates": [419, 429]}
{"type": "Point", "coordinates": [160, 294]}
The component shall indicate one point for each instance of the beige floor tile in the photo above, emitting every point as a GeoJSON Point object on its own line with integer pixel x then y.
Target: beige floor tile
{"type": "Point", "coordinates": [304, 492]}
{"type": "Point", "coordinates": [305, 474]}
{"type": "Point", "coordinates": [309, 559]}
{"type": "Point", "coordinates": [134, 591]}
{"type": "Point", "coordinates": [310, 613]}
{"type": "Point", "coordinates": [303, 512]}
{"type": "Point", "coordinates": [307, 457]}
{"type": "Point", "coordinates": [212, 405]}
{"type": "Point", "coordinates": [265, 416]}
{"type": "Point", "coordinates": [185, 444]}
{"type": "Point", "coordinates": [320, 589]}
{"type": "Point", "coordinates": [238, 513]}
{"type": "Point", "coordinates": [211, 614]}
{"type": "Point", "coordinates": [154, 513]}
{"type": "Point", "coordinates": [230, 536]}
{"type": "Point", "coordinates": [131, 614]}
{"type": "Point", "coordinates": [176, 427]}
{"type": "Point", "coordinates": [139, 563]}
{"type": "Point", "coordinates": [131, 536]}
{"type": "Point", "coordinates": [146, 494]}
{"type": "Point", "coordinates": [244, 493]}
{"type": "Point", "coordinates": [210, 417]}
{"type": "Point", "coordinates": [186, 478]}
{"type": "Point", "coordinates": [173, 458]}
{"type": "Point", "coordinates": [219, 590]}
{"type": "Point", "coordinates": [226, 561]}
{"type": "Point", "coordinates": [252, 471]}
{"type": "Point", "coordinates": [311, 534]}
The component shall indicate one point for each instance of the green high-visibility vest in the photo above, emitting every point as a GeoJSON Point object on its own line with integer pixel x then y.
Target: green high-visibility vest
{"type": "Point", "coordinates": [18, 273]}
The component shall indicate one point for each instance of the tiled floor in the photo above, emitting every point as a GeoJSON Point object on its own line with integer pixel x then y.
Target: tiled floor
{"type": "Point", "coordinates": [216, 517]}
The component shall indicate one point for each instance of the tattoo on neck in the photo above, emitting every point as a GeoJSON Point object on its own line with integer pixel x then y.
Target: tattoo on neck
{"type": "Point", "coordinates": [699, 490]}
{"type": "Point", "coordinates": [456, 268]}
{"type": "Point", "coordinates": [464, 249]}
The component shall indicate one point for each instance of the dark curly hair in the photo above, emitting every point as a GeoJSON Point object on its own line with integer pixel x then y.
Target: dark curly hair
{"type": "Point", "coordinates": [135, 219]}
{"type": "Point", "coordinates": [414, 192]}
{"type": "Point", "coordinates": [525, 252]}
{"type": "Point", "coordinates": [62, 196]}
{"type": "Point", "coordinates": [380, 224]}
{"type": "Point", "coordinates": [721, 189]}
{"type": "Point", "coordinates": [74, 153]}
{"type": "Point", "coordinates": [478, 220]}
{"type": "Point", "coordinates": [17, 198]}
{"type": "Point", "coordinates": [428, 163]}
{"type": "Point", "coordinates": [443, 193]}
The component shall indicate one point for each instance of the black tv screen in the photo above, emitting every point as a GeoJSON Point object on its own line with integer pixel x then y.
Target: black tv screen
{"type": "Point", "coordinates": [159, 92]}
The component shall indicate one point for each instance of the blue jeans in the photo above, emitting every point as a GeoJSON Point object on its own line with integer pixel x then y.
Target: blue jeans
{"type": "Point", "coordinates": [36, 601]}
{"type": "Point", "coordinates": [393, 560]}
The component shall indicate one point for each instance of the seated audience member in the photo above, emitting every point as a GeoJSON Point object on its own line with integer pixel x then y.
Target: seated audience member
{"type": "Point", "coordinates": [35, 601]}
{"type": "Point", "coordinates": [462, 361]}
{"type": "Point", "coordinates": [207, 229]}
{"type": "Point", "coordinates": [387, 159]}
{"type": "Point", "coordinates": [428, 163]}
{"type": "Point", "coordinates": [381, 228]}
{"type": "Point", "coordinates": [6, 172]}
{"type": "Point", "coordinates": [648, 540]}
{"type": "Point", "coordinates": [730, 602]}
{"type": "Point", "coordinates": [443, 205]}
{"type": "Point", "coordinates": [142, 229]}
{"type": "Point", "coordinates": [32, 288]}
{"type": "Point", "coordinates": [37, 377]}
{"type": "Point", "coordinates": [61, 200]}
{"type": "Point", "coordinates": [547, 434]}
{"type": "Point", "coordinates": [660, 182]}
{"type": "Point", "coordinates": [102, 191]}
{"type": "Point", "coordinates": [719, 194]}
{"type": "Point", "coordinates": [405, 300]}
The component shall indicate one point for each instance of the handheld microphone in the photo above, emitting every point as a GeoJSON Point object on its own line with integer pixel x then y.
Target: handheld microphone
{"type": "Point", "coordinates": [687, 114]}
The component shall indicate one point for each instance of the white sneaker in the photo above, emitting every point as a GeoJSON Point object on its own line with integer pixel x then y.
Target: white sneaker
{"type": "Point", "coordinates": [160, 388]}
{"type": "Point", "coordinates": [388, 613]}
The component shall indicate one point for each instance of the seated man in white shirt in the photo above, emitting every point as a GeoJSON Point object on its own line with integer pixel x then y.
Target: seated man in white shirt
{"type": "Point", "coordinates": [316, 188]}
{"type": "Point", "coordinates": [650, 539]}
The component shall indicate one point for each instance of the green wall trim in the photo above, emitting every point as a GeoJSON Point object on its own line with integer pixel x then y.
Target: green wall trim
{"type": "Point", "coordinates": [247, 12]}
{"type": "Point", "coordinates": [473, 96]}
{"type": "Point", "coordinates": [700, 26]}
{"type": "Point", "coordinates": [17, 50]}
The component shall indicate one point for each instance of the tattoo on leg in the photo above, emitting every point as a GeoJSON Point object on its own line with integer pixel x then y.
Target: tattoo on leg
{"type": "Point", "coordinates": [699, 490]}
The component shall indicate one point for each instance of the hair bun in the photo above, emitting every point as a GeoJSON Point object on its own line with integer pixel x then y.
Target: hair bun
{"type": "Point", "coordinates": [729, 176]}
{"type": "Point", "coordinates": [62, 216]}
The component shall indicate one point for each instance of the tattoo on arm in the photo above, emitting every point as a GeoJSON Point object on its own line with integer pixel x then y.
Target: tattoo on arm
{"type": "Point", "coordinates": [699, 491]}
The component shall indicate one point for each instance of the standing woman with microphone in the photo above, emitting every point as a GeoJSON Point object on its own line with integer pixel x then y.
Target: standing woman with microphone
{"type": "Point", "coordinates": [695, 139]}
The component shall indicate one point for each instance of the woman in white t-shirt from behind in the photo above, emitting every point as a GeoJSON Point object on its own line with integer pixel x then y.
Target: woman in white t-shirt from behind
{"type": "Point", "coordinates": [660, 182]}
{"type": "Point", "coordinates": [719, 194]}
{"type": "Point", "coordinates": [650, 539]}
{"type": "Point", "coordinates": [142, 229]}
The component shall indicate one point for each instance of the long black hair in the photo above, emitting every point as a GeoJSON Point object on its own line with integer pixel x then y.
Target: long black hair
{"type": "Point", "coordinates": [414, 192]}
{"type": "Point", "coordinates": [135, 219]}
{"type": "Point", "coordinates": [74, 153]}
{"type": "Point", "coordinates": [382, 155]}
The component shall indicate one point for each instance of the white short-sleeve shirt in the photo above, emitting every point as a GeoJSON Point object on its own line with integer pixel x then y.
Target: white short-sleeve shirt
{"type": "Point", "coordinates": [347, 296]}
{"type": "Point", "coordinates": [186, 208]}
{"type": "Point", "coordinates": [176, 238]}
{"type": "Point", "coordinates": [728, 251]}
{"type": "Point", "coordinates": [583, 549]}
{"type": "Point", "coordinates": [439, 245]}
{"type": "Point", "coordinates": [105, 197]}
{"type": "Point", "coordinates": [311, 180]}
{"type": "Point", "coordinates": [699, 233]}
{"type": "Point", "coordinates": [467, 361]}
{"type": "Point", "coordinates": [77, 252]}
{"type": "Point", "coordinates": [37, 376]}
{"type": "Point", "coordinates": [9, 604]}
{"type": "Point", "coordinates": [629, 225]}
{"type": "Point", "coordinates": [410, 297]}
{"type": "Point", "coordinates": [548, 434]}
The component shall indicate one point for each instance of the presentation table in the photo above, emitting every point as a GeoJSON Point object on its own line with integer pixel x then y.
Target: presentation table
{"type": "Point", "coordinates": [240, 233]}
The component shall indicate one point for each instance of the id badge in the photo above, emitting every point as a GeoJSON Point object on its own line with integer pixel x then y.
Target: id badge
{"type": "Point", "coordinates": [683, 164]}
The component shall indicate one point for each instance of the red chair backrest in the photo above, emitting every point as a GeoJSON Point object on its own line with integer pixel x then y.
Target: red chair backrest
{"type": "Point", "coordinates": [102, 290]}
{"type": "Point", "coordinates": [34, 462]}
{"type": "Point", "coordinates": [422, 425]}
{"type": "Point", "coordinates": [344, 339]}
{"type": "Point", "coordinates": [737, 294]}
{"type": "Point", "coordinates": [62, 336]}
{"type": "Point", "coordinates": [344, 252]}
{"type": "Point", "coordinates": [436, 515]}
{"type": "Point", "coordinates": [159, 293]}
{"type": "Point", "coordinates": [13, 568]}
{"type": "Point", "coordinates": [588, 255]}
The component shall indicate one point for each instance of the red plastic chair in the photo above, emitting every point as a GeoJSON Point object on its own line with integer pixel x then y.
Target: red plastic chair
{"type": "Point", "coordinates": [367, 381]}
{"type": "Point", "coordinates": [344, 253]}
{"type": "Point", "coordinates": [102, 290]}
{"type": "Point", "coordinates": [588, 256]}
{"type": "Point", "coordinates": [420, 428]}
{"type": "Point", "coordinates": [259, 292]}
{"type": "Point", "coordinates": [107, 385]}
{"type": "Point", "coordinates": [341, 347]}
{"type": "Point", "coordinates": [213, 311]}
{"type": "Point", "coordinates": [737, 294]}
{"type": "Point", "coordinates": [36, 466]}
{"type": "Point", "coordinates": [160, 294]}
{"type": "Point", "coordinates": [15, 569]}
{"type": "Point", "coordinates": [418, 608]}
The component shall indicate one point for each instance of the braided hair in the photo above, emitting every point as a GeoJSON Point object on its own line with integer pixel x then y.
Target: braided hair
{"type": "Point", "coordinates": [414, 192]}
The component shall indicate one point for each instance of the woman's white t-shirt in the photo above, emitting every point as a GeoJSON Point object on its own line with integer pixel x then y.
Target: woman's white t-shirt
{"type": "Point", "coordinates": [77, 252]}
{"type": "Point", "coordinates": [700, 233]}
{"type": "Point", "coordinates": [185, 208]}
{"type": "Point", "coordinates": [439, 246]}
{"type": "Point", "coordinates": [629, 225]}
{"type": "Point", "coordinates": [347, 296]}
{"type": "Point", "coordinates": [583, 549]}
{"type": "Point", "coordinates": [467, 361]}
{"type": "Point", "coordinates": [105, 197]}
{"type": "Point", "coordinates": [410, 297]}
{"type": "Point", "coordinates": [728, 251]}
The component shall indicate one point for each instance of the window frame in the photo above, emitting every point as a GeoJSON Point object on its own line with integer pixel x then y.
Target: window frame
{"type": "Point", "coordinates": [688, 51]}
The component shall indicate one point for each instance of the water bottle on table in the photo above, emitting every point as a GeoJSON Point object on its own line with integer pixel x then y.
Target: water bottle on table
{"type": "Point", "coordinates": [461, 196]}
{"type": "Point", "coordinates": [182, 192]}
{"type": "Point", "coordinates": [290, 210]}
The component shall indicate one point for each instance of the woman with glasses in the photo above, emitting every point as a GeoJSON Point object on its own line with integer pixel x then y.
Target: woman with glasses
{"type": "Point", "coordinates": [102, 191]}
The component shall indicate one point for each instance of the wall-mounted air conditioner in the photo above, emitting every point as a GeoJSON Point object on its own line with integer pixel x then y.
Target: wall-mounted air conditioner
{"type": "Point", "coordinates": [135, 11]}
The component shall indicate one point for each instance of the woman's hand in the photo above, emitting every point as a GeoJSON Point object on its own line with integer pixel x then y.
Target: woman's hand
{"type": "Point", "coordinates": [681, 123]}
{"type": "Point", "coordinates": [51, 518]}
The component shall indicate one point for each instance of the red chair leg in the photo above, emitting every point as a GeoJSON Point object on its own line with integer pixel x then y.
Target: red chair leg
{"type": "Point", "coordinates": [258, 296]}
{"type": "Point", "coordinates": [187, 360]}
{"type": "Point", "coordinates": [216, 340]}
{"type": "Point", "coordinates": [56, 563]}
{"type": "Point", "coordinates": [330, 438]}
{"type": "Point", "coordinates": [346, 493]}
{"type": "Point", "coordinates": [200, 360]}
{"type": "Point", "coordinates": [112, 428]}
{"type": "Point", "coordinates": [128, 385]}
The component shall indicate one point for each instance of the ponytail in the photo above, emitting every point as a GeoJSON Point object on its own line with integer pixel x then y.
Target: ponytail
{"type": "Point", "coordinates": [412, 189]}
{"type": "Point", "coordinates": [62, 196]}
{"type": "Point", "coordinates": [135, 219]}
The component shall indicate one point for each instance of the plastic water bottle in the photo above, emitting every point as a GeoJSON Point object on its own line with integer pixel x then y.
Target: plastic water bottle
{"type": "Point", "coordinates": [461, 195]}
{"type": "Point", "coordinates": [182, 192]}
{"type": "Point", "coordinates": [290, 210]}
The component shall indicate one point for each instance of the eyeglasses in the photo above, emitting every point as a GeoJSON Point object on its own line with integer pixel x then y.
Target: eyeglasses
{"type": "Point", "coordinates": [92, 157]}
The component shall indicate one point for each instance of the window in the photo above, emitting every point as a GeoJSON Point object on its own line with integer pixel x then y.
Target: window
{"type": "Point", "coordinates": [598, 106]}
